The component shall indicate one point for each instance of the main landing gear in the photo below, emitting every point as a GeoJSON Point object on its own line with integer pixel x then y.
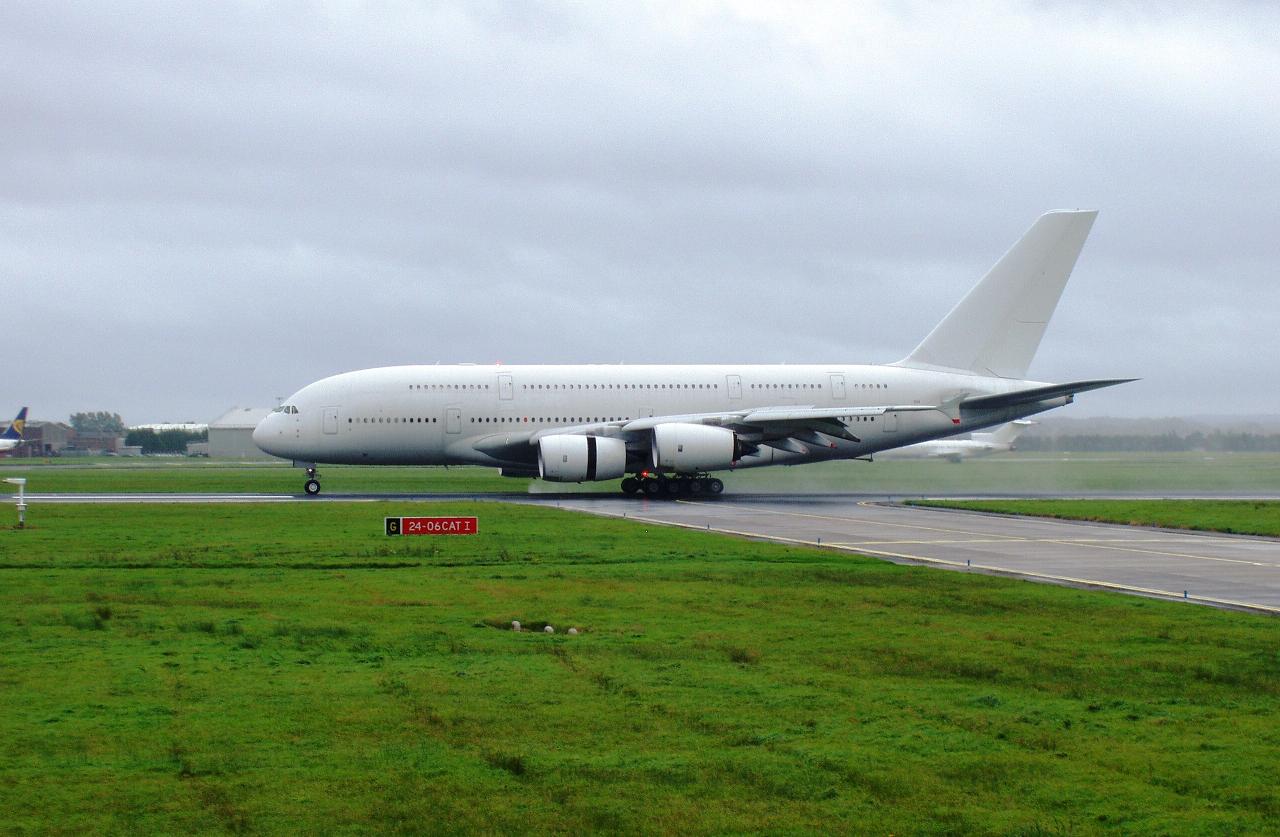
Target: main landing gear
{"type": "Point", "coordinates": [675, 485]}
{"type": "Point", "coordinates": [312, 485]}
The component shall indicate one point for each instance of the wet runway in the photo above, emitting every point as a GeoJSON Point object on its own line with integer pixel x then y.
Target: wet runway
{"type": "Point", "coordinates": [1222, 570]}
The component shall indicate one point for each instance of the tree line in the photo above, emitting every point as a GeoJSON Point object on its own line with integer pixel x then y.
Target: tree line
{"type": "Point", "coordinates": [164, 441]}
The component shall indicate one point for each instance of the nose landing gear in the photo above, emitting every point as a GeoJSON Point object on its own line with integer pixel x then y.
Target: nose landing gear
{"type": "Point", "coordinates": [312, 485]}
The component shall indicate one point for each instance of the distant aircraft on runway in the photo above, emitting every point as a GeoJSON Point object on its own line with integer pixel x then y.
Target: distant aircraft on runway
{"type": "Point", "coordinates": [664, 429]}
{"type": "Point", "coordinates": [12, 436]}
{"type": "Point", "coordinates": [999, 440]}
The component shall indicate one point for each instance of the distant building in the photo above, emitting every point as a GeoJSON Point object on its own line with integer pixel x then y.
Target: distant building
{"type": "Point", "coordinates": [107, 441]}
{"type": "Point", "coordinates": [231, 434]}
{"type": "Point", "coordinates": [44, 438]}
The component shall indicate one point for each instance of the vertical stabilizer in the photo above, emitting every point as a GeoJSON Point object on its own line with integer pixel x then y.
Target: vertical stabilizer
{"type": "Point", "coordinates": [997, 327]}
{"type": "Point", "coordinates": [1005, 434]}
{"type": "Point", "coordinates": [14, 431]}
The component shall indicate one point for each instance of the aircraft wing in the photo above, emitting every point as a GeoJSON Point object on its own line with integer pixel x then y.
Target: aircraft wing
{"type": "Point", "coordinates": [788, 426]}
{"type": "Point", "coordinates": [763, 416]}
{"type": "Point", "coordinates": [765, 425]}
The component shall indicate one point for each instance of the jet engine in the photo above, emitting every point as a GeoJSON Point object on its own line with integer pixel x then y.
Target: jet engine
{"type": "Point", "coordinates": [689, 448]}
{"type": "Point", "coordinates": [565, 458]}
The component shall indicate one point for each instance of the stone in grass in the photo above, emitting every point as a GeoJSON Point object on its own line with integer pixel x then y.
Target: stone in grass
{"type": "Point", "coordinates": [573, 632]}
{"type": "Point", "coordinates": [515, 624]}
{"type": "Point", "coordinates": [548, 630]}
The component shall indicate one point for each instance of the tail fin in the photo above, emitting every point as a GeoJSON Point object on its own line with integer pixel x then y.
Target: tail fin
{"type": "Point", "coordinates": [996, 328]}
{"type": "Point", "coordinates": [1005, 434]}
{"type": "Point", "coordinates": [15, 428]}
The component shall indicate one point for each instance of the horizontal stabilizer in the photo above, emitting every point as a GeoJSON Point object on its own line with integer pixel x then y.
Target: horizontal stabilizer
{"type": "Point", "coordinates": [1030, 396]}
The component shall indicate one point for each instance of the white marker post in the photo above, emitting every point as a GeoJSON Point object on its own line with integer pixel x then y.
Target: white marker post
{"type": "Point", "coordinates": [21, 482]}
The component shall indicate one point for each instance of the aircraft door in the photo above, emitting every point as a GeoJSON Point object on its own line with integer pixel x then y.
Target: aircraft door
{"type": "Point", "coordinates": [453, 420]}
{"type": "Point", "coordinates": [330, 420]}
{"type": "Point", "coordinates": [837, 387]}
{"type": "Point", "coordinates": [734, 384]}
{"type": "Point", "coordinates": [504, 387]}
{"type": "Point", "coordinates": [890, 424]}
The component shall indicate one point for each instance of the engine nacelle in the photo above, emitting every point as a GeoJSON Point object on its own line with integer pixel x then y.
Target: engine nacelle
{"type": "Point", "coordinates": [565, 458]}
{"type": "Point", "coordinates": [689, 448]}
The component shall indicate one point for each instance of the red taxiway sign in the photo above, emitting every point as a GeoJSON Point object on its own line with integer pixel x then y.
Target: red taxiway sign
{"type": "Point", "coordinates": [432, 525]}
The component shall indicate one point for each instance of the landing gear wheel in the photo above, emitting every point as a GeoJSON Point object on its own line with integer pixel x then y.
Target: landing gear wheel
{"type": "Point", "coordinates": [312, 487]}
{"type": "Point", "coordinates": [715, 486]}
{"type": "Point", "coordinates": [652, 488]}
{"type": "Point", "coordinates": [630, 485]}
{"type": "Point", "coordinates": [697, 486]}
{"type": "Point", "coordinates": [675, 487]}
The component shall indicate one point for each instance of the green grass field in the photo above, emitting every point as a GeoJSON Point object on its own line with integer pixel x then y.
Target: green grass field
{"type": "Point", "coordinates": [1029, 472]}
{"type": "Point", "coordinates": [290, 668]}
{"type": "Point", "coordinates": [1240, 517]}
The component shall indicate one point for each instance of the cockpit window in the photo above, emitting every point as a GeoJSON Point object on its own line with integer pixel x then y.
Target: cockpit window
{"type": "Point", "coordinates": [288, 409]}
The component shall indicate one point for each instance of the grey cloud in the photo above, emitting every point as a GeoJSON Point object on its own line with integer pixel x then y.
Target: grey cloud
{"type": "Point", "coordinates": [206, 205]}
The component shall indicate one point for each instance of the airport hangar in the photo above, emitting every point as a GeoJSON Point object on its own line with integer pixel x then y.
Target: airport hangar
{"type": "Point", "coordinates": [231, 434]}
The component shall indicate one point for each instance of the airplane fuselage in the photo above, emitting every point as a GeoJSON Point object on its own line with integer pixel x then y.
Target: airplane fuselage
{"type": "Point", "coordinates": [485, 415]}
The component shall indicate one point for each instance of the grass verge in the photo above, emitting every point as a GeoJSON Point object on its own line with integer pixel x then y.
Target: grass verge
{"type": "Point", "coordinates": [290, 668]}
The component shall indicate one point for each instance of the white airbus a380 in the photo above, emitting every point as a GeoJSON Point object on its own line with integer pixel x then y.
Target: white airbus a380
{"type": "Point", "coordinates": [664, 429]}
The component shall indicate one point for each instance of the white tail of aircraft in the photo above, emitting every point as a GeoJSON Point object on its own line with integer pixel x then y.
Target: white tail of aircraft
{"type": "Point", "coordinates": [996, 329]}
{"type": "Point", "coordinates": [1005, 434]}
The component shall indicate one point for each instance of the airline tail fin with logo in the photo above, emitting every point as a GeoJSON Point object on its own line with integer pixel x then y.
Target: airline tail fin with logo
{"type": "Point", "coordinates": [14, 431]}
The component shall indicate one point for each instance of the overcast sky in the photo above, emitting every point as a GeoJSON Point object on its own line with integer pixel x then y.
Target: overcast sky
{"type": "Point", "coordinates": [207, 205]}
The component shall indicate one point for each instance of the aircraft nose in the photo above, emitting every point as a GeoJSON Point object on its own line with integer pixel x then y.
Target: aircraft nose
{"type": "Point", "coordinates": [263, 434]}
